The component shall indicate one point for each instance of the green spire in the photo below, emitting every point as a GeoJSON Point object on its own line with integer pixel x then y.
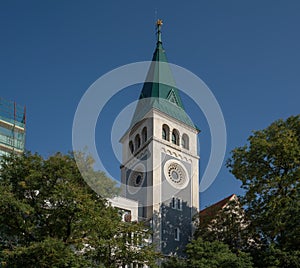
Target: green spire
{"type": "Point", "coordinates": [159, 90]}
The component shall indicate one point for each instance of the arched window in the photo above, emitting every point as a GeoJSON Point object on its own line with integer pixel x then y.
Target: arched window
{"type": "Point", "coordinates": [131, 148]}
{"type": "Point", "coordinates": [144, 135]}
{"type": "Point", "coordinates": [137, 141]}
{"type": "Point", "coordinates": [165, 132]}
{"type": "Point", "coordinates": [175, 136]}
{"type": "Point", "coordinates": [185, 141]}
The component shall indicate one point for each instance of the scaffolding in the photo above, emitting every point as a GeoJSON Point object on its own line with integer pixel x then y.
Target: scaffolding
{"type": "Point", "coordinates": [12, 127]}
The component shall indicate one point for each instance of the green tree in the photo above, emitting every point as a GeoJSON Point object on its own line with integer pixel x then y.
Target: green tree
{"type": "Point", "coordinates": [50, 217]}
{"type": "Point", "coordinates": [175, 262]}
{"type": "Point", "coordinates": [269, 169]}
{"type": "Point", "coordinates": [205, 254]}
{"type": "Point", "coordinates": [97, 180]}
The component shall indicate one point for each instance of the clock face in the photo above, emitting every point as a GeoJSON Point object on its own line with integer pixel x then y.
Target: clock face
{"type": "Point", "coordinates": [136, 179]}
{"type": "Point", "coordinates": [176, 174]}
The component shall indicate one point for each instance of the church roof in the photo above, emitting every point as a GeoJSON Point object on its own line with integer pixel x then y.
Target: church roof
{"type": "Point", "coordinates": [159, 90]}
{"type": "Point", "coordinates": [215, 208]}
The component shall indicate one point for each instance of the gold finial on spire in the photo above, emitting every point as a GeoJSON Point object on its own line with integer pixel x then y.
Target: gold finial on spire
{"type": "Point", "coordinates": [159, 23]}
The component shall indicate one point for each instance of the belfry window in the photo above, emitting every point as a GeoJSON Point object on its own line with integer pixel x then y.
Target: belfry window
{"type": "Point", "coordinates": [175, 137]}
{"type": "Point", "coordinates": [137, 141]}
{"type": "Point", "coordinates": [165, 132]}
{"type": "Point", "coordinates": [131, 148]}
{"type": "Point", "coordinates": [144, 134]}
{"type": "Point", "coordinates": [185, 141]}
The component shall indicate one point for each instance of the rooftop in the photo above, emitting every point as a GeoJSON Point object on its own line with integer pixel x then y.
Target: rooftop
{"type": "Point", "coordinates": [159, 90]}
{"type": "Point", "coordinates": [215, 208]}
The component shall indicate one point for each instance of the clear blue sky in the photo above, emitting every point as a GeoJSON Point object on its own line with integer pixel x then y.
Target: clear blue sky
{"type": "Point", "coordinates": [247, 52]}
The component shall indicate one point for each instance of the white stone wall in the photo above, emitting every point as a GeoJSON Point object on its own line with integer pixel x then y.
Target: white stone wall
{"type": "Point", "coordinates": [125, 204]}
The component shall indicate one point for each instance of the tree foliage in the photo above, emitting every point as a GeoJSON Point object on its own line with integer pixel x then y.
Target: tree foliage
{"type": "Point", "coordinates": [50, 217]}
{"type": "Point", "coordinates": [227, 225]}
{"type": "Point", "coordinates": [269, 170]}
{"type": "Point", "coordinates": [203, 254]}
{"type": "Point", "coordinates": [97, 180]}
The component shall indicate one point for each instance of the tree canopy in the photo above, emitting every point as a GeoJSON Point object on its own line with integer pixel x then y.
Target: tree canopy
{"type": "Point", "coordinates": [215, 254]}
{"type": "Point", "coordinates": [269, 170]}
{"type": "Point", "coordinates": [50, 217]}
{"type": "Point", "coordinates": [225, 224]}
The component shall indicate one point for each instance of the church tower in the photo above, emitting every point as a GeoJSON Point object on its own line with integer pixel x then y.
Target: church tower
{"type": "Point", "coordinates": [160, 167]}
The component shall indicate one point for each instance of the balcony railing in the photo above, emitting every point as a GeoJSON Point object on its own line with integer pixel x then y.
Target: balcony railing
{"type": "Point", "coordinates": [12, 142]}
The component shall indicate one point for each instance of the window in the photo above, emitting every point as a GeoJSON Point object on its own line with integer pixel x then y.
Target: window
{"type": "Point", "coordinates": [131, 147]}
{"type": "Point", "coordinates": [138, 179]}
{"type": "Point", "coordinates": [175, 136]}
{"type": "Point", "coordinates": [173, 202]}
{"type": "Point", "coordinates": [137, 141]}
{"type": "Point", "coordinates": [165, 132]}
{"type": "Point", "coordinates": [179, 204]}
{"type": "Point", "coordinates": [176, 203]}
{"type": "Point", "coordinates": [177, 234]}
{"type": "Point", "coordinates": [127, 217]}
{"type": "Point", "coordinates": [185, 141]}
{"type": "Point", "coordinates": [144, 134]}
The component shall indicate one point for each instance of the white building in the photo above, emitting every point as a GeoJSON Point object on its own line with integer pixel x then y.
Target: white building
{"type": "Point", "coordinates": [128, 207]}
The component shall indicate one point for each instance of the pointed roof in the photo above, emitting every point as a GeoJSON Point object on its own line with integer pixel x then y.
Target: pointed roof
{"type": "Point", "coordinates": [159, 90]}
{"type": "Point", "coordinates": [215, 208]}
